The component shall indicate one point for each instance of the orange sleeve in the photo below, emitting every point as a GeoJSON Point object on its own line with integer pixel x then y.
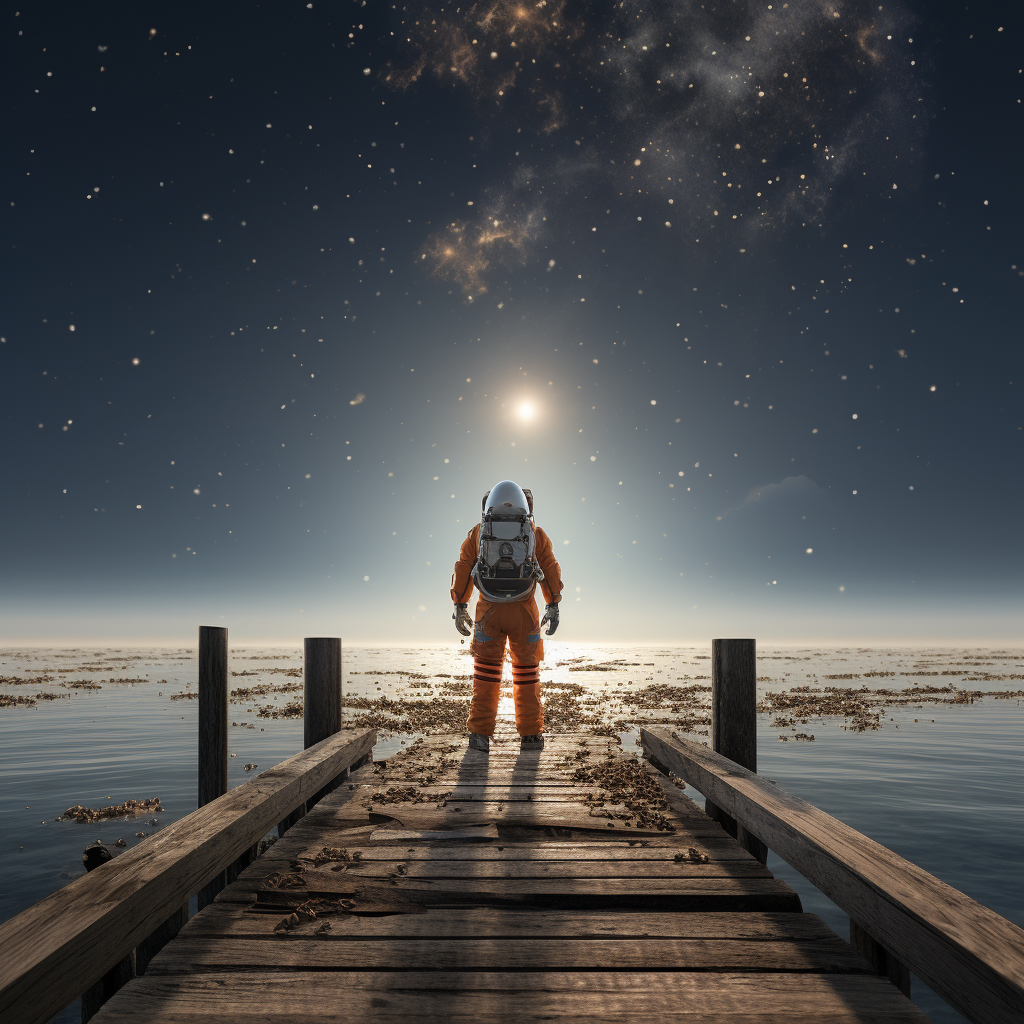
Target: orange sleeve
{"type": "Point", "coordinates": [462, 577]}
{"type": "Point", "coordinates": [551, 585]}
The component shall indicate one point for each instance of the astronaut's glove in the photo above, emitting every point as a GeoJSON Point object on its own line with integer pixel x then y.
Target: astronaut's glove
{"type": "Point", "coordinates": [463, 623]}
{"type": "Point", "coordinates": [550, 616]}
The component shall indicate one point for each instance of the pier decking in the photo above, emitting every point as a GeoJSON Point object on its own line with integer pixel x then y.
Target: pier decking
{"type": "Point", "coordinates": [572, 883]}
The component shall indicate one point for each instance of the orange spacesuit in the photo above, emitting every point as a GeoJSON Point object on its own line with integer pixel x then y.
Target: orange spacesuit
{"type": "Point", "coordinates": [518, 622]}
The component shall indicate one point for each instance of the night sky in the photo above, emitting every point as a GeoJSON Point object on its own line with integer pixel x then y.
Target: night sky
{"type": "Point", "coordinates": [734, 287]}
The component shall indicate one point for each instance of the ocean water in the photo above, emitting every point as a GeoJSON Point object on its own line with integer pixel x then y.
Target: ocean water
{"type": "Point", "coordinates": [940, 783]}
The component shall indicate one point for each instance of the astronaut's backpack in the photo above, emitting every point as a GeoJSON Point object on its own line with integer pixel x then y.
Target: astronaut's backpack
{"type": "Point", "coordinates": [506, 567]}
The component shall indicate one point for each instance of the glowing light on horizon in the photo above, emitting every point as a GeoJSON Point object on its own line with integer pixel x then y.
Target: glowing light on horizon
{"type": "Point", "coordinates": [527, 411]}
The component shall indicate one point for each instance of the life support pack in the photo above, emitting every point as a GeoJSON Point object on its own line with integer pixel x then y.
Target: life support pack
{"type": "Point", "coordinates": [506, 567]}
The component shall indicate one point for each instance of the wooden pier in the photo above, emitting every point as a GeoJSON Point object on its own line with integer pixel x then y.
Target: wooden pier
{"type": "Point", "coordinates": [578, 882]}
{"type": "Point", "coordinates": [508, 892]}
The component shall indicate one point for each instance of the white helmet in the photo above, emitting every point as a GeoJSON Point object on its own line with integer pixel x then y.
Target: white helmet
{"type": "Point", "coordinates": [506, 498]}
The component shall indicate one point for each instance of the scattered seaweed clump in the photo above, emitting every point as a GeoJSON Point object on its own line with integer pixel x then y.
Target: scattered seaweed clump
{"type": "Point", "coordinates": [129, 809]}
{"type": "Point", "coordinates": [628, 783]}
{"type": "Point", "coordinates": [329, 854]}
{"type": "Point", "coordinates": [19, 700]}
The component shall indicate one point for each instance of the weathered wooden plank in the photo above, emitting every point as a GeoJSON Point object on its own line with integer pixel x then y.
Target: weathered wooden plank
{"type": "Point", "coordinates": [383, 834]}
{"type": "Point", "coordinates": [54, 950]}
{"type": "Point", "coordinates": [231, 920]}
{"type": "Point", "coordinates": [717, 850]}
{"type": "Point", "coordinates": [736, 894]}
{"type": "Point", "coordinates": [583, 995]}
{"type": "Point", "coordinates": [473, 869]}
{"type": "Point", "coordinates": [498, 792]}
{"type": "Point", "coordinates": [313, 953]}
{"type": "Point", "coordinates": [967, 953]}
{"type": "Point", "coordinates": [567, 815]}
{"type": "Point", "coordinates": [259, 1016]}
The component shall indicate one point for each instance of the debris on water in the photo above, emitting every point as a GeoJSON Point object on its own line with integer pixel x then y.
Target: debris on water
{"type": "Point", "coordinates": [120, 842]}
{"type": "Point", "coordinates": [95, 854]}
{"type": "Point", "coordinates": [130, 808]}
{"type": "Point", "coordinates": [17, 700]}
{"type": "Point", "coordinates": [249, 767]}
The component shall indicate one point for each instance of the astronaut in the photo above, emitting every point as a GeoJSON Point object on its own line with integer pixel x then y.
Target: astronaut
{"type": "Point", "coordinates": [506, 556]}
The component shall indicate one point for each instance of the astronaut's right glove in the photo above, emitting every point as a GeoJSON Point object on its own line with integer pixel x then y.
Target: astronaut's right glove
{"type": "Point", "coordinates": [463, 623]}
{"type": "Point", "coordinates": [550, 616]}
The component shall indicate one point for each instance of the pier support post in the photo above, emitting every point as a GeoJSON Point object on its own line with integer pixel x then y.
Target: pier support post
{"type": "Point", "coordinates": [734, 723]}
{"type": "Point", "coordinates": [123, 971]}
{"type": "Point", "coordinates": [883, 963]}
{"type": "Point", "coordinates": [321, 704]}
{"type": "Point", "coordinates": [213, 729]}
{"type": "Point", "coordinates": [321, 677]}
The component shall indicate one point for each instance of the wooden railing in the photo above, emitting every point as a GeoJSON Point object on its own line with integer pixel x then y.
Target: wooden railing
{"type": "Point", "coordinates": [968, 954]}
{"type": "Point", "coordinates": [51, 953]}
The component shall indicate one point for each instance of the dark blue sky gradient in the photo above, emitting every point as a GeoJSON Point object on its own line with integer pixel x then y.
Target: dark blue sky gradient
{"type": "Point", "coordinates": [839, 335]}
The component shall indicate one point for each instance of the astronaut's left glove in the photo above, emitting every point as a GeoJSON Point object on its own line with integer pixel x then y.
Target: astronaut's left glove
{"type": "Point", "coordinates": [551, 617]}
{"type": "Point", "coordinates": [463, 623]}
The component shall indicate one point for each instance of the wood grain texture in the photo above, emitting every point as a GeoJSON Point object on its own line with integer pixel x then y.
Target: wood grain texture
{"type": "Point", "coordinates": [316, 953]}
{"type": "Point", "coordinates": [474, 869]}
{"type": "Point", "coordinates": [581, 995]}
{"type": "Point", "coordinates": [502, 852]}
{"type": "Point", "coordinates": [708, 894]}
{"type": "Point", "coordinates": [54, 950]}
{"type": "Point", "coordinates": [967, 953]}
{"type": "Point", "coordinates": [228, 920]}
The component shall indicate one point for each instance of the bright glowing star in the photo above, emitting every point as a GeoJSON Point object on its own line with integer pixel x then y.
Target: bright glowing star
{"type": "Point", "coordinates": [138, 506]}
{"type": "Point", "coordinates": [854, 415]}
{"type": "Point", "coordinates": [932, 388]}
{"type": "Point", "coordinates": [206, 216]}
{"type": "Point", "coordinates": [135, 361]}
{"type": "Point", "coordinates": [366, 579]}
{"type": "Point", "coordinates": [842, 588]}
{"type": "Point", "coordinates": [654, 401]}
{"type": "Point", "coordinates": [527, 411]}
{"type": "Point", "coordinates": [810, 551]}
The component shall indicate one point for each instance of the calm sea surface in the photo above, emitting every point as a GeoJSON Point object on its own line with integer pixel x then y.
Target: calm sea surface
{"type": "Point", "coordinates": [941, 784]}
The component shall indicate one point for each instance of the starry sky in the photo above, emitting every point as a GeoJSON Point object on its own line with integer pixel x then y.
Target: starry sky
{"type": "Point", "coordinates": [733, 287]}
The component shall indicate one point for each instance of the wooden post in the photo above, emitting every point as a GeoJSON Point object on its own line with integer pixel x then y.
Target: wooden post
{"type": "Point", "coordinates": [123, 971]}
{"type": "Point", "coordinates": [321, 704]}
{"type": "Point", "coordinates": [734, 722]}
{"type": "Point", "coordinates": [883, 963]}
{"type": "Point", "coordinates": [213, 729]}
{"type": "Point", "coordinates": [321, 716]}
